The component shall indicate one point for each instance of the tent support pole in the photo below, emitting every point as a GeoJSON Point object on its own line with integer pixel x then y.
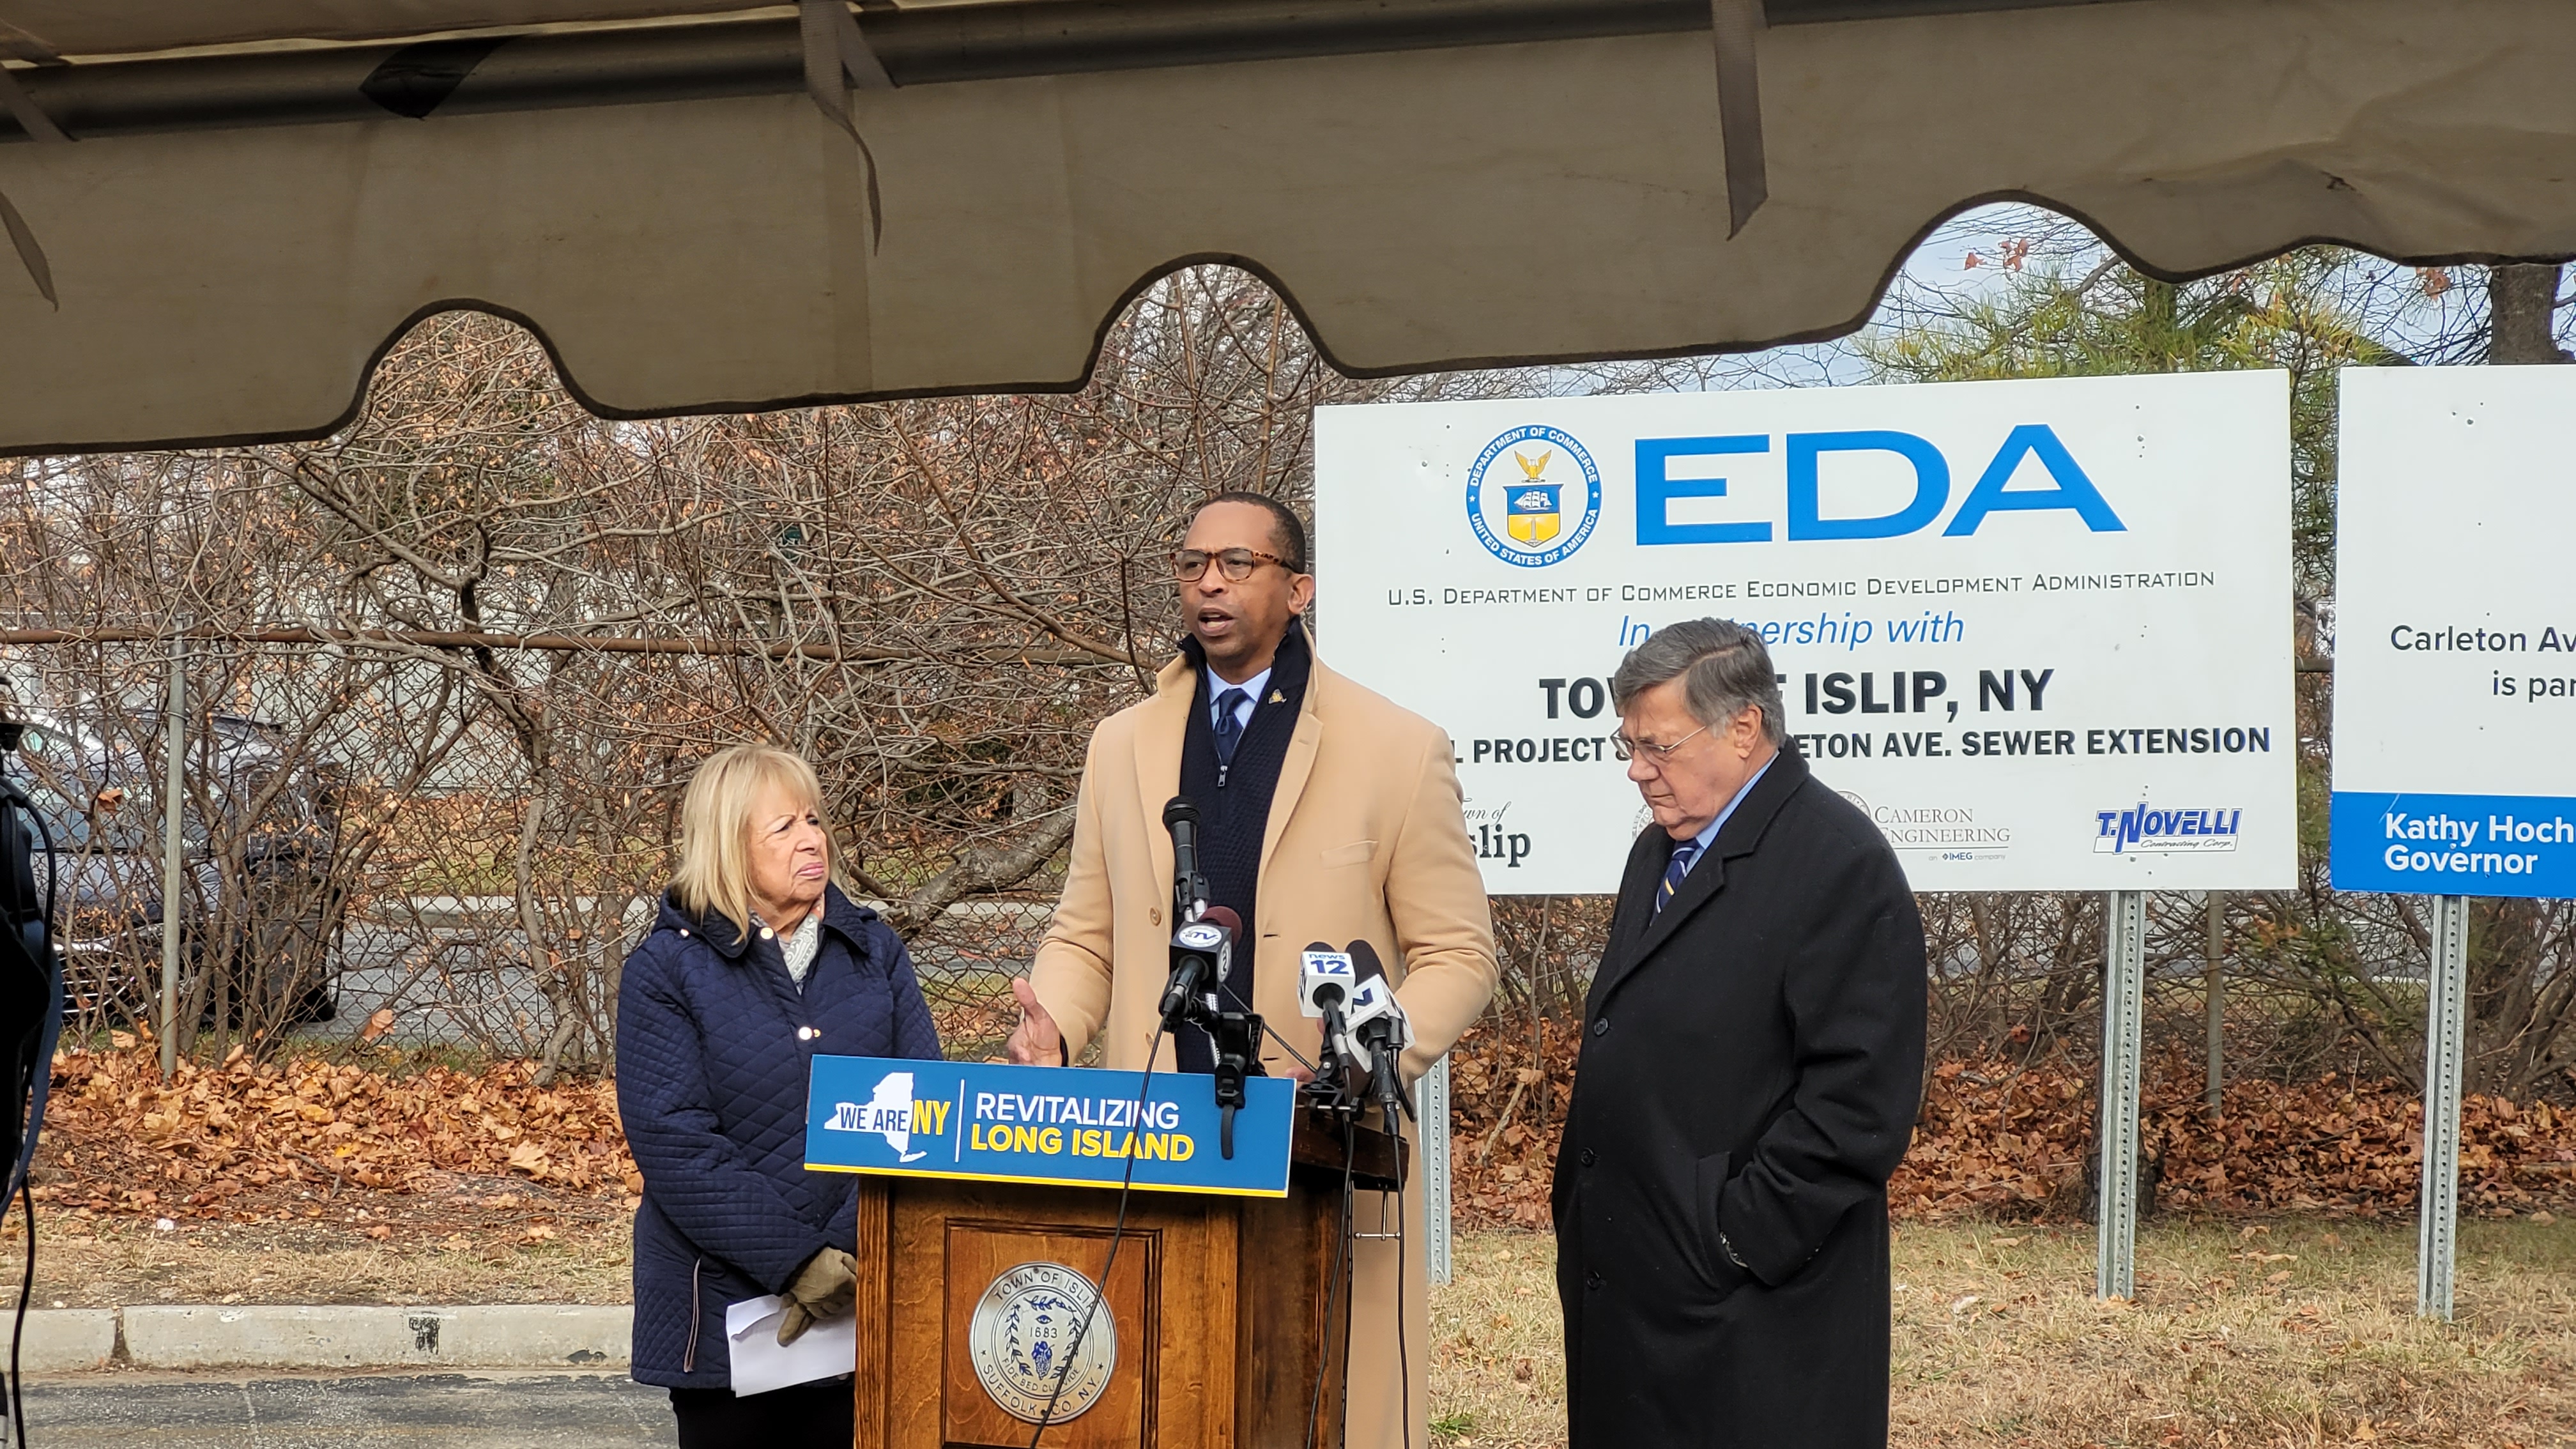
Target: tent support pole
{"type": "Point", "coordinates": [2123, 998]}
{"type": "Point", "coordinates": [2445, 1036]}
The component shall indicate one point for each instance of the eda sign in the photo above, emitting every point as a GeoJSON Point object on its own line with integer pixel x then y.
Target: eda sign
{"type": "Point", "coordinates": [2038, 631]}
{"type": "Point", "coordinates": [2455, 633]}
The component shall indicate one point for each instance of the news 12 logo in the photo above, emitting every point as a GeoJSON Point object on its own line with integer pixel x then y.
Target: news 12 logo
{"type": "Point", "coordinates": [2164, 832]}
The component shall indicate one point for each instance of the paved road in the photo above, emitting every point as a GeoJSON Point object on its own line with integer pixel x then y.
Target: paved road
{"type": "Point", "coordinates": [444, 1411]}
{"type": "Point", "coordinates": [399, 966]}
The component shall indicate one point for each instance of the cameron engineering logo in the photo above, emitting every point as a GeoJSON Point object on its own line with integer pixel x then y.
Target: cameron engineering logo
{"type": "Point", "coordinates": [1533, 496]}
{"type": "Point", "coordinates": [1951, 829]}
{"type": "Point", "coordinates": [2145, 829]}
{"type": "Point", "coordinates": [891, 1113]}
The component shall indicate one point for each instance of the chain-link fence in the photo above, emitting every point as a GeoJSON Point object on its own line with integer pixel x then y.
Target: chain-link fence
{"type": "Point", "coordinates": [447, 672]}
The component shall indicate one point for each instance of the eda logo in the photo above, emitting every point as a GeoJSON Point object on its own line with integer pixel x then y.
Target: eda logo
{"type": "Point", "coordinates": [1529, 481]}
{"type": "Point", "coordinates": [2032, 448]}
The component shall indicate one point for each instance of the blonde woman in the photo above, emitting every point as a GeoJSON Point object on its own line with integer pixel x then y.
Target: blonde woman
{"type": "Point", "coordinates": [757, 963]}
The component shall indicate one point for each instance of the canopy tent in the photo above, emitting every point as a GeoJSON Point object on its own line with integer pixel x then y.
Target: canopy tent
{"type": "Point", "coordinates": [238, 206]}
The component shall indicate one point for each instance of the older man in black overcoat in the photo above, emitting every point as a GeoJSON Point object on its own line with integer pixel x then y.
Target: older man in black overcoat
{"type": "Point", "coordinates": [1752, 1061]}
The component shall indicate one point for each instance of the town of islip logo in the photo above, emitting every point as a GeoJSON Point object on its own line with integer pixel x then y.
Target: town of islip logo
{"type": "Point", "coordinates": [1534, 507]}
{"type": "Point", "coordinates": [1037, 1344]}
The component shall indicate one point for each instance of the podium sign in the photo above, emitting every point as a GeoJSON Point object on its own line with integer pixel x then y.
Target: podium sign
{"type": "Point", "coordinates": [987, 1296]}
{"type": "Point", "coordinates": [1052, 1126]}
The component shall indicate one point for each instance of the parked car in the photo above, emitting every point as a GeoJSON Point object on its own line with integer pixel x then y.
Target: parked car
{"type": "Point", "coordinates": [100, 798]}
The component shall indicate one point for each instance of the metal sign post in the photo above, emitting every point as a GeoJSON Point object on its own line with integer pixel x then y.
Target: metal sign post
{"type": "Point", "coordinates": [2124, 987]}
{"type": "Point", "coordinates": [2445, 1037]}
{"type": "Point", "coordinates": [2213, 1084]}
{"type": "Point", "coordinates": [1431, 1109]}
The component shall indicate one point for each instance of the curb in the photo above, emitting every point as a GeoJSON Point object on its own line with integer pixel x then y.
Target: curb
{"type": "Point", "coordinates": [589, 1337]}
{"type": "Point", "coordinates": [64, 1340]}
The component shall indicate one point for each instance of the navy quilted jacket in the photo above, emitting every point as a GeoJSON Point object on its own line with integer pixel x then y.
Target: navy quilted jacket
{"type": "Point", "coordinates": [714, 1045]}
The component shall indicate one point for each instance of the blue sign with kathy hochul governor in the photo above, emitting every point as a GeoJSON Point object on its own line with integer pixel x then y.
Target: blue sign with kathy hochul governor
{"type": "Point", "coordinates": [1060, 1126]}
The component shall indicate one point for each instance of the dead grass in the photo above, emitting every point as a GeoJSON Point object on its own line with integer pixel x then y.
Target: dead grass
{"type": "Point", "coordinates": [516, 1249]}
{"type": "Point", "coordinates": [2286, 1333]}
{"type": "Point", "coordinates": [2296, 1333]}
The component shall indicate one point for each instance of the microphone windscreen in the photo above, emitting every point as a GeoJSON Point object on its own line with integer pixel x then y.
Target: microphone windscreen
{"type": "Point", "coordinates": [1364, 960]}
{"type": "Point", "coordinates": [1319, 948]}
{"type": "Point", "coordinates": [1224, 916]}
{"type": "Point", "coordinates": [1182, 808]}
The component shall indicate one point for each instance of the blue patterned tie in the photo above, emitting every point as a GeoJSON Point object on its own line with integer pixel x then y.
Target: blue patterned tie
{"type": "Point", "coordinates": [1229, 729]}
{"type": "Point", "coordinates": [1683, 855]}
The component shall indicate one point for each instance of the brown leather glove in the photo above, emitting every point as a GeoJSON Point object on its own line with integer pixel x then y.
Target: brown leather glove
{"type": "Point", "coordinates": [826, 1287]}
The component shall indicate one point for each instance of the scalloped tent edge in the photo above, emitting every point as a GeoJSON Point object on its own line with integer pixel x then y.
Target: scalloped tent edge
{"type": "Point", "coordinates": [1441, 206]}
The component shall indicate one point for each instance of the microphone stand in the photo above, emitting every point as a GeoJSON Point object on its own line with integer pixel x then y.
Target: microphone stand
{"type": "Point", "coordinates": [1235, 1036]}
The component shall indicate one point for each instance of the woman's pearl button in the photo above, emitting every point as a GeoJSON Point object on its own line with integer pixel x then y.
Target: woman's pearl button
{"type": "Point", "coordinates": [766, 933]}
{"type": "Point", "coordinates": [806, 1033]}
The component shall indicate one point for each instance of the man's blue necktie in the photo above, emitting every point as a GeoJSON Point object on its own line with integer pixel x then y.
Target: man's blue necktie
{"type": "Point", "coordinates": [1683, 855]}
{"type": "Point", "coordinates": [1229, 729]}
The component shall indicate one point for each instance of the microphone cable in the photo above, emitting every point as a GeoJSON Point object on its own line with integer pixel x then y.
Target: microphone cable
{"type": "Point", "coordinates": [1117, 1235]}
{"type": "Point", "coordinates": [1403, 1360]}
{"type": "Point", "coordinates": [1403, 1355]}
{"type": "Point", "coordinates": [1332, 1295]}
{"type": "Point", "coordinates": [17, 1334]}
{"type": "Point", "coordinates": [20, 1172]}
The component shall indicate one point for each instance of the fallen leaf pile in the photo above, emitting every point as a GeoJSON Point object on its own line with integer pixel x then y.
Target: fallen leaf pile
{"type": "Point", "coordinates": [228, 1143]}
{"type": "Point", "coordinates": [1997, 1139]}
{"type": "Point", "coordinates": [247, 1142]}
{"type": "Point", "coordinates": [1507, 1094]}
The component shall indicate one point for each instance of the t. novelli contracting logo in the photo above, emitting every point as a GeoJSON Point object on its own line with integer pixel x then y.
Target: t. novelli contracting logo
{"type": "Point", "coordinates": [2148, 829]}
{"type": "Point", "coordinates": [1540, 522]}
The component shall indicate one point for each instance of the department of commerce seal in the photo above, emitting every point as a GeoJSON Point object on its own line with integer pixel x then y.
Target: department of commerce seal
{"type": "Point", "coordinates": [1024, 1326]}
{"type": "Point", "coordinates": [1540, 522]}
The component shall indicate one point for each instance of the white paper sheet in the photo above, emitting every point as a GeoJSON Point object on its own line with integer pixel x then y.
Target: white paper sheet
{"type": "Point", "coordinates": [826, 1350]}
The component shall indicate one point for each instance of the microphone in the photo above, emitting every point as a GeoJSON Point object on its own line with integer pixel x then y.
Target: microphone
{"type": "Point", "coordinates": [1202, 958]}
{"type": "Point", "coordinates": [1189, 883]}
{"type": "Point", "coordinates": [1230, 926]}
{"type": "Point", "coordinates": [1324, 980]}
{"type": "Point", "coordinates": [1379, 1029]}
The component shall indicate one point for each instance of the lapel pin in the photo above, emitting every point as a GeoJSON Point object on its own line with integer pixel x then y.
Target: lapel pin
{"type": "Point", "coordinates": [1278, 697]}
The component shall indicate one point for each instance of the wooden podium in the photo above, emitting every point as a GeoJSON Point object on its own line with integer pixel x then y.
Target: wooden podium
{"type": "Point", "coordinates": [1216, 1308]}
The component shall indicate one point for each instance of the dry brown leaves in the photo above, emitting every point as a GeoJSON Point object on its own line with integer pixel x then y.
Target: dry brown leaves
{"type": "Point", "coordinates": [1994, 1139]}
{"type": "Point", "coordinates": [1506, 1110]}
{"type": "Point", "coordinates": [214, 1143]}
{"type": "Point", "coordinates": [1998, 1139]}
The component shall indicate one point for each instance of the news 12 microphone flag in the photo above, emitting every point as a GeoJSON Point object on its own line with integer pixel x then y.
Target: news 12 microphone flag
{"type": "Point", "coordinates": [2038, 631]}
{"type": "Point", "coordinates": [2455, 633]}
